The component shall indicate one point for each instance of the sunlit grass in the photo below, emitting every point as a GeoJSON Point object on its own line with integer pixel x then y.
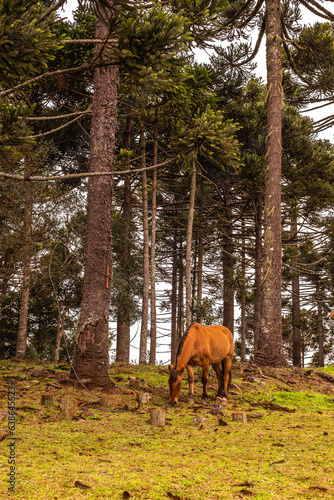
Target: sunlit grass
{"type": "Point", "coordinates": [277, 455]}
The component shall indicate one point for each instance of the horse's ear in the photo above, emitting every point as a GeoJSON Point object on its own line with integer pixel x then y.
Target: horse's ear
{"type": "Point", "coordinates": [169, 368]}
{"type": "Point", "coordinates": [181, 371]}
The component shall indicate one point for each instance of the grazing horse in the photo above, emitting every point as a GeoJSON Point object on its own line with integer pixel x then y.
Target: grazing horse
{"type": "Point", "coordinates": [202, 346]}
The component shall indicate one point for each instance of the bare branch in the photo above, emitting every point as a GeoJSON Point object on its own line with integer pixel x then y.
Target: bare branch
{"type": "Point", "coordinates": [44, 75]}
{"type": "Point", "coordinates": [40, 178]}
{"type": "Point", "coordinates": [256, 48]}
{"type": "Point", "coordinates": [317, 13]}
{"type": "Point", "coordinates": [329, 15]}
{"type": "Point", "coordinates": [56, 117]}
{"type": "Point", "coordinates": [44, 134]}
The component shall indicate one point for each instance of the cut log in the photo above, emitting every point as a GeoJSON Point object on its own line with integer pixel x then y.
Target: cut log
{"type": "Point", "coordinates": [68, 407]}
{"type": "Point", "coordinates": [143, 397]}
{"type": "Point", "coordinates": [158, 417]}
{"type": "Point", "coordinates": [47, 399]}
{"type": "Point", "coordinates": [107, 402]}
{"type": "Point", "coordinates": [239, 416]}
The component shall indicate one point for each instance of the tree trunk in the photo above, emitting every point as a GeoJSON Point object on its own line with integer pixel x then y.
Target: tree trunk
{"type": "Point", "coordinates": [153, 333]}
{"type": "Point", "coordinates": [188, 243]}
{"type": "Point", "coordinates": [296, 335]}
{"type": "Point", "coordinates": [21, 345]}
{"type": "Point", "coordinates": [180, 307]}
{"type": "Point", "coordinates": [174, 300]}
{"type": "Point", "coordinates": [228, 263]}
{"type": "Point", "coordinates": [91, 356]}
{"type": "Point", "coordinates": [123, 312]}
{"type": "Point", "coordinates": [200, 246]}
{"type": "Point", "coordinates": [270, 344]}
{"type": "Point", "coordinates": [319, 299]}
{"type": "Point", "coordinates": [60, 333]}
{"type": "Point", "coordinates": [257, 279]}
{"type": "Point", "coordinates": [243, 296]}
{"type": "Point", "coordinates": [146, 256]}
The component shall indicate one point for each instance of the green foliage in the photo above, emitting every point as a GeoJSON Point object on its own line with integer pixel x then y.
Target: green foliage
{"type": "Point", "coordinates": [208, 137]}
{"type": "Point", "coordinates": [26, 44]}
{"type": "Point", "coordinates": [203, 311]}
{"type": "Point", "coordinates": [13, 129]}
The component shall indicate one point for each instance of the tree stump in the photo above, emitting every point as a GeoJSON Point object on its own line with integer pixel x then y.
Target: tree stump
{"type": "Point", "coordinates": [107, 402]}
{"type": "Point", "coordinates": [134, 382]}
{"type": "Point", "coordinates": [239, 416]}
{"type": "Point", "coordinates": [68, 407]}
{"type": "Point", "coordinates": [158, 417]}
{"type": "Point", "coordinates": [143, 397]}
{"type": "Point", "coordinates": [47, 399]}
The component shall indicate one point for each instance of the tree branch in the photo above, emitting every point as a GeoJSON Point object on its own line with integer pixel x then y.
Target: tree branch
{"type": "Point", "coordinates": [40, 178]}
{"type": "Point", "coordinates": [56, 117]}
{"type": "Point", "coordinates": [44, 134]}
{"type": "Point", "coordinates": [293, 66]}
{"type": "Point", "coordinates": [50, 10]}
{"type": "Point", "coordinates": [257, 46]}
{"type": "Point", "coordinates": [317, 13]}
{"type": "Point", "coordinates": [329, 15]}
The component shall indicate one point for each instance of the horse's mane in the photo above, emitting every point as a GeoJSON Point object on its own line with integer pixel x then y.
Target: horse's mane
{"type": "Point", "coordinates": [182, 340]}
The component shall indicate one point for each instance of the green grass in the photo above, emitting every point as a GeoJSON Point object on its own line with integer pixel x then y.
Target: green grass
{"type": "Point", "coordinates": [277, 455]}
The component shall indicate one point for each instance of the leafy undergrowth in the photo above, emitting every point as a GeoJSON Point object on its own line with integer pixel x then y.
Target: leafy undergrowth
{"type": "Point", "coordinates": [284, 451]}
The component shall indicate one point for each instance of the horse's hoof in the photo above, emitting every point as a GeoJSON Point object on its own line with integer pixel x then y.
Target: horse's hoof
{"type": "Point", "coordinates": [190, 401]}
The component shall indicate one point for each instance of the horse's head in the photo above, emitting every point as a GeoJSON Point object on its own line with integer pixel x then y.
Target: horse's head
{"type": "Point", "coordinates": [175, 383]}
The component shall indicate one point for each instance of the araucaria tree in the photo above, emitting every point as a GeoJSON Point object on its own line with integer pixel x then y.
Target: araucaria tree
{"type": "Point", "coordinates": [91, 358]}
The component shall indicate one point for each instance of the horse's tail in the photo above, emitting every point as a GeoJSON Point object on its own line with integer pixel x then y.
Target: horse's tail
{"type": "Point", "coordinates": [229, 376]}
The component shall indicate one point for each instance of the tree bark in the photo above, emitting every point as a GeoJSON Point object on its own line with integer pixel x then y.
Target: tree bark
{"type": "Point", "coordinates": [270, 343]}
{"type": "Point", "coordinates": [258, 264]}
{"type": "Point", "coordinates": [123, 313]}
{"type": "Point", "coordinates": [228, 263]}
{"type": "Point", "coordinates": [146, 256]}
{"type": "Point", "coordinates": [188, 243]}
{"type": "Point", "coordinates": [60, 333]}
{"type": "Point", "coordinates": [174, 300]}
{"type": "Point", "coordinates": [320, 326]}
{"type": "Point", "coordinates": [243, 296]}
{"type": "Point", "coordinates": [180, 305]}
{"type": "Point", "coordinates": [296, 335]}
{"type": "Point", "coordinates": [153, 333]}
{"type": "Point", "coordinates": [22, 334]}
{"type": "Point", "coordinates": [91, 356]}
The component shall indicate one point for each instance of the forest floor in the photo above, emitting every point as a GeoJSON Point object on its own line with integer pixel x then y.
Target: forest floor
{"type": "Point", "coordinates": [284, 451]}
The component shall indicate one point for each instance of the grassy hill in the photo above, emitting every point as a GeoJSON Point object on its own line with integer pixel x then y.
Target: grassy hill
{"type": "Point", "coordinates": [284, 451]}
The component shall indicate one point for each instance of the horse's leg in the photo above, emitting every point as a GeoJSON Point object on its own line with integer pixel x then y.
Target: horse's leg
{"type": "Point", "coordinates": [205, 373]}
{"type": "Point", "coordinates": [227, 363]}
{"type": "Point", "coordinates": [191, 381]}
{"type": "Point", "coordinates": [219, 374]}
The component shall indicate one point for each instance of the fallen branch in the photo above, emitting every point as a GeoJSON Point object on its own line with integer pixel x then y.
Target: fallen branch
{"type": "Point", "coordinates": [273, 406]}
{"type": "Point", "coordinates": [326, 376]}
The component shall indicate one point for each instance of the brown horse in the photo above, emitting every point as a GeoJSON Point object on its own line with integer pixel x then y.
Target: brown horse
{"type": "Point", "coordinates": [202, 346]}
